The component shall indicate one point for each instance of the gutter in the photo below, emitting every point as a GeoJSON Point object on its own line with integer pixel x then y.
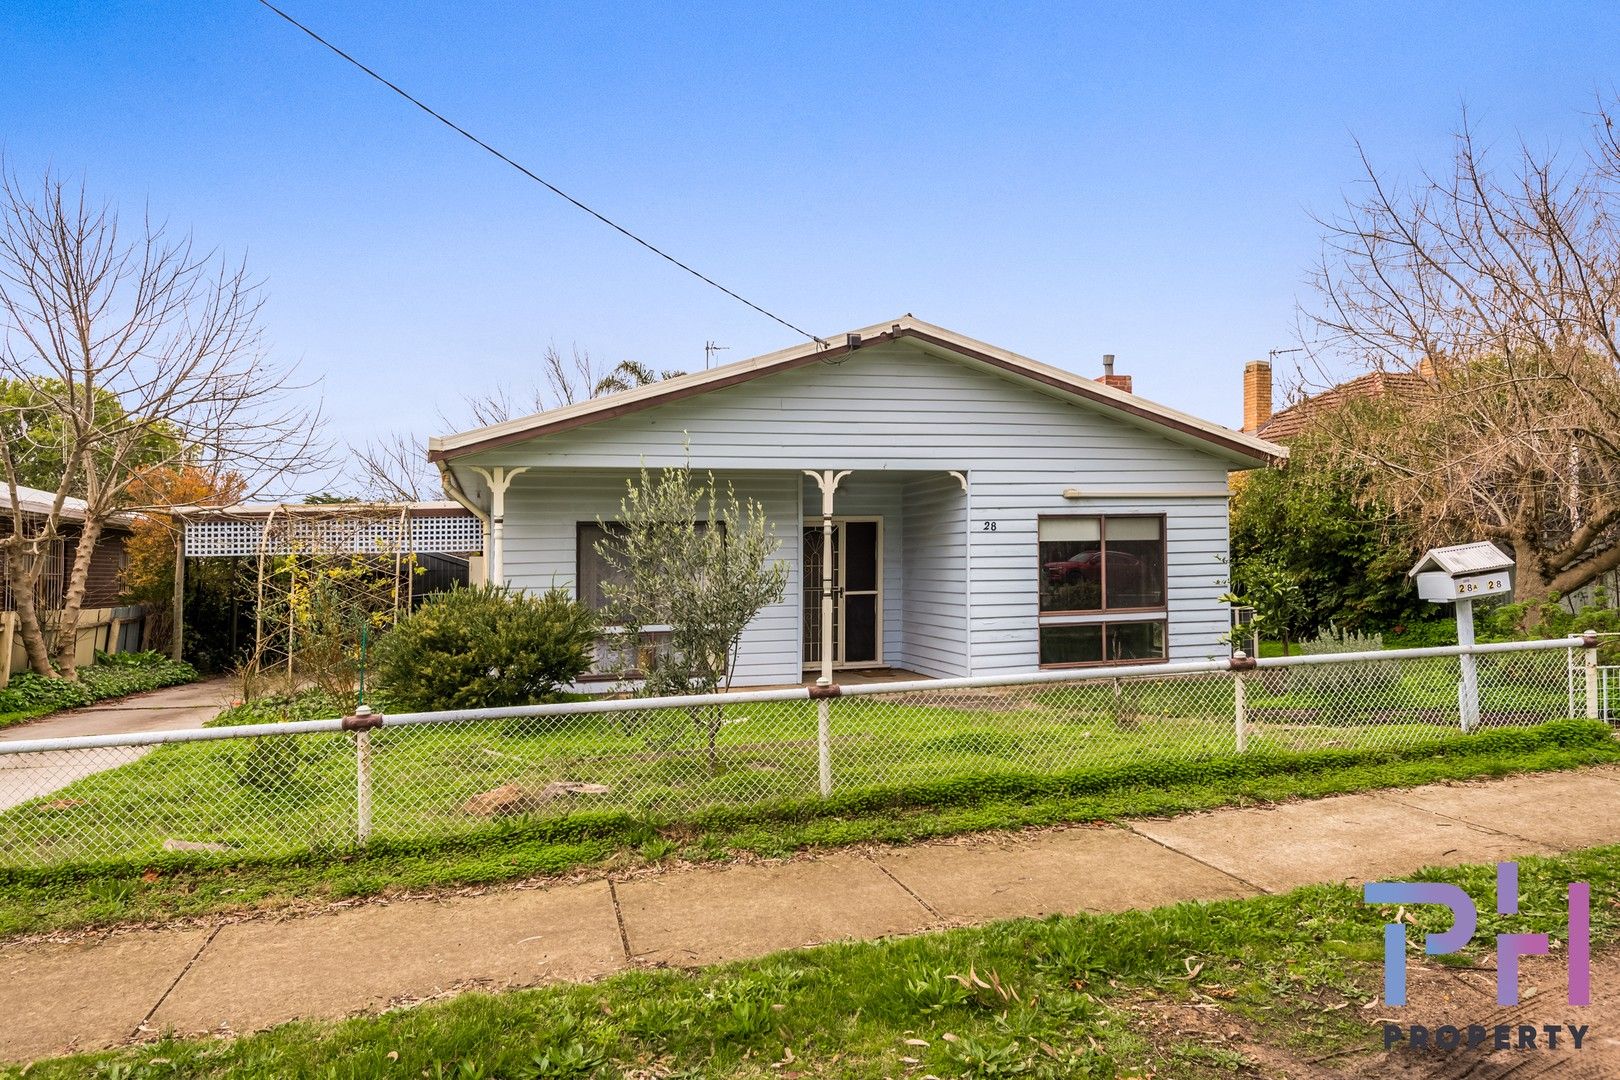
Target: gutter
{"type": "Point", "coordinates": [452, 487]}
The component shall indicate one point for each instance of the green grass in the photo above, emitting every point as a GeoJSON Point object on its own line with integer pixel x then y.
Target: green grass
{"type": "Point", "coordinates": [167, 886]}
{"type": "Point", "coordinates": [285, 796]}
{"type": "Point", "coordinates": [1060, 997]}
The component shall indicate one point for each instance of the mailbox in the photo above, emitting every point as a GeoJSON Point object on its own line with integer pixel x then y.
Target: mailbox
{"type": "Point", "coordinates": [1459, 575]}
{"type": "Point", "coordinates": [1463, 572]}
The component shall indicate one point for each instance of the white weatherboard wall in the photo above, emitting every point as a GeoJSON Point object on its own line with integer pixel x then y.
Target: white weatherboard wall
{"type": "Point", "coordinates": [934, 552]}
{"type": "Point", "coordinates": [893, 408]}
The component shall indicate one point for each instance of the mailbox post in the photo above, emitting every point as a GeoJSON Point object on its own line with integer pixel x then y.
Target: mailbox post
{"type": "Point", "coordinates": [1459, 575]}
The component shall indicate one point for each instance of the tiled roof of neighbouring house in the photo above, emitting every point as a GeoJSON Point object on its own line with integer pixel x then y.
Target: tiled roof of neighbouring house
{"type": "Point", "coordinates": [1289, 422]}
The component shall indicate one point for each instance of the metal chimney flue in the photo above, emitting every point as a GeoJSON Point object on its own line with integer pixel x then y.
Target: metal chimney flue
{"type": "Point", "coordinates": [1118, 382]}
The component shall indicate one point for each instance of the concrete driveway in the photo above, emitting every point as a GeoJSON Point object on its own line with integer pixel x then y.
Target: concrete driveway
{"type": "Point", "coordinates": [27, 776]}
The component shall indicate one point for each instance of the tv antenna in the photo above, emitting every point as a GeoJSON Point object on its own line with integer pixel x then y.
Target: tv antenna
{"type": "Point", "coordinates": [709, 349]}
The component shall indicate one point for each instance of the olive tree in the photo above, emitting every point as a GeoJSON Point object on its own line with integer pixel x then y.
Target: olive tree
{"type": "Point", "coordinates": [687, 555]}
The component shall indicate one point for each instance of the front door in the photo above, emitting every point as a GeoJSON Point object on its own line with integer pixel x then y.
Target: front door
{"type": "Point", "coordinates": [857, 565]}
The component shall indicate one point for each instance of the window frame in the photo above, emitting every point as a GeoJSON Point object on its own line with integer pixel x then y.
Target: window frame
{"type": "Point", "coordinates": [1106, 625]}
{"type": "Point", "coordinates": [660, 631]}
{"type": "Point", "coordinates": [1104, 617]}
{"type": "Point", "coordinates": [1102, 550]}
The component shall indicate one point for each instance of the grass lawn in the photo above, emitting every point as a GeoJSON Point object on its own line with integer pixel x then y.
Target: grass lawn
{"type": "Point", "coordinates": [1060, 997]}
{"type": "Point", "coordinates": [167, 885]}
{"type": "Point", "coordinates": [283, 796]}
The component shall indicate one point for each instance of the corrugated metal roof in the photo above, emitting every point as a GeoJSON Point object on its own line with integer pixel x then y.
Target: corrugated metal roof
{"type": "Point", "coordinates": [1478, 558]}
{"type": "Point", "coordinates": [35, 501]}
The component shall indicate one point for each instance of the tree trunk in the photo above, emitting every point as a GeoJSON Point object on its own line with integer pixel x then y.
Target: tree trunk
{"type": "Point", "coordinates": [73, 600]}
{"type": "Point", "coordinates": [25, 598]}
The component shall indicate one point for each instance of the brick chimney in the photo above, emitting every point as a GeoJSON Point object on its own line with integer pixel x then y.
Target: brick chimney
{"type": "Point", "coordinates": [1118, 382]}
{"type": "Point", "coordinates": [1256, 395]}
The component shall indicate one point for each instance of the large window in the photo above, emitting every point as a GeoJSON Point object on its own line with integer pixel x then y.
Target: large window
{"type": "Point", "coordinates": [1101, 563]}
{"type": "Point", "coordinates": [592, 573]}
{"type": "Point", "coordinates": [1091, 565]}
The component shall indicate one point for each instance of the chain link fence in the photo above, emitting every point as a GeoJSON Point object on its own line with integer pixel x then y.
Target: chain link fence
{"type": "Point", "coordinates": [332, 784]}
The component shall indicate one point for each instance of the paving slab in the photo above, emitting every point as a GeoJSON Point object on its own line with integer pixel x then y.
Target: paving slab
{"type": "Point", "coordinates": [1563, 810]}
{"type": "Point", "coordinates": [255, 974]}
{"type": "Point", "coordinates": [1056, 873]}
{"type": "Point", "coordinates": [709, 916]}
{"type": "Point", "coordinates": [1340, 839]}
{"type": "Point", "coordinates": [58, 998]}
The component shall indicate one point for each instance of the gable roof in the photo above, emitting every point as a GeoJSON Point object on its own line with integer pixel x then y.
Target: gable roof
{"type": "Point", "coordinates": [1231, 444]}
{"type": "Point", "coordinates": [1481, 557]}
{"type": "Point", "coordinates": [1289, 422]}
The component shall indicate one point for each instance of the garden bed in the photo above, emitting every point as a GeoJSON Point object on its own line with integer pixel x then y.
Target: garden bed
{"type": "Point", "coordinates": [29, 696]}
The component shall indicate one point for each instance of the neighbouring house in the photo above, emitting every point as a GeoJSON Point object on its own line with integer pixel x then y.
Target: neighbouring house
{"type": "Point", "coordinates": [1285, 424]}
{"type": "Point", "coordinates": [104, 624]}
{"type": "Point", "coordinates": [991, 513]}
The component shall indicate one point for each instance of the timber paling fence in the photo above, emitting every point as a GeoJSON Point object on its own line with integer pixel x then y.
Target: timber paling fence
{"type": "Point", "coordinates": [282, 788]}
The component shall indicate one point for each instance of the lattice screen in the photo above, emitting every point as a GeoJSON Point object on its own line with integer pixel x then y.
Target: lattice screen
{"type": "Point", "coordinates": [441, 534]}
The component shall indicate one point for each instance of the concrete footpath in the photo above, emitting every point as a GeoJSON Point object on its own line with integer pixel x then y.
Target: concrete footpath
{"type": "Point", "coordinates": [238, 976]}
{"type": "Point", "coordinates": [173, 708]}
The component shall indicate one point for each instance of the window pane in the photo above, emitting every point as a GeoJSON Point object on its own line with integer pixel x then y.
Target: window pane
{"type": "Point", "coordinates": [592, 570]}
{"type": "Point", "coordinates": [1071, 528]}
{"type": "Point", "coordinates": [1136, 641]}
{"type": "Point", "coordinates": [1071, 644]}
{"type": "Point", "coordinates": [1135, 528]}
{"type": "Point", "coordinates": [1071, 564]}
{"type": "Point", "coordinates": [860, 558]}
{"type": "Point", "coordinates": [1135, 562]}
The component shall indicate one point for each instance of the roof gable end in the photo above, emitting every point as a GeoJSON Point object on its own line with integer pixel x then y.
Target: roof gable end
{"type": "Point", "coordinates": [935, 339]}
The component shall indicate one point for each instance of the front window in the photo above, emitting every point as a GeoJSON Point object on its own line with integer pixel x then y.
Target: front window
{"type": "Point", "coordinates": [1093, 565]}
{"type": "Point", "coordinates": [1101, 563]}
{"type": "Point", "coordinates": [593, 573]}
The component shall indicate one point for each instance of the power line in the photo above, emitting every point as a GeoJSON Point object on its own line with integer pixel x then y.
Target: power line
{"type": "Point", "coordinates": [553, 188]}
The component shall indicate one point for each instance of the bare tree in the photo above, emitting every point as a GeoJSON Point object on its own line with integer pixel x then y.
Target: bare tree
{"type": "Point", "coordinates": [394, 468]}
{"type": "Point", "coordinates": [1490, 298]}
{"type": "Point", "coordinates": [565, 380]}
{"type": "Point", "coordinates": [136, 351]}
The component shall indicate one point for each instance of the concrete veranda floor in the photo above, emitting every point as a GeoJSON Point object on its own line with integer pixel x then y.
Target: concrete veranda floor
{"type": "Point", "coordinates": [238, 976]}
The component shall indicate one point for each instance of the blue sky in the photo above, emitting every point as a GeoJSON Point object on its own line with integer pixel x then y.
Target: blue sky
{"type": "Point", "coordinates": [1060, 180]}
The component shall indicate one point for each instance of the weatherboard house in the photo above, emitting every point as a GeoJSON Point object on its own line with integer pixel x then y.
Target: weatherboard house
{"type": "Point", "coordinates": [989, 514]}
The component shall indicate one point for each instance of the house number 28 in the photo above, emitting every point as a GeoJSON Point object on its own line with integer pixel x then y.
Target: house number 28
{"type": "Point", "coordinates": [989, 526]}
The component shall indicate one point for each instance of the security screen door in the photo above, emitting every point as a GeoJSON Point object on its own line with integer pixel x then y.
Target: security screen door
{"type": "Point", "coordinates": [857, 562]}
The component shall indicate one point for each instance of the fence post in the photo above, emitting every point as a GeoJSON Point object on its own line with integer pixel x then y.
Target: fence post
{"type": "Point", "coordinates": [1240, 663]}
{"type": "Point", "coordinates": [823, 695]}
{"type": "Point", "coordinates": [361, 724]}
{"type": "Point", "coordinates": [1589, 645]}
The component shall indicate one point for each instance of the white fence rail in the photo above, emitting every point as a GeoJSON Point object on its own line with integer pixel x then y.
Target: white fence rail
{"type": "Point", "coordinates": [277, 788]}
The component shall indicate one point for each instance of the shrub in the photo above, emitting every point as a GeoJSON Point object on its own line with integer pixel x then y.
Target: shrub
{"type": "Point", "coordinates": [267, 765]}
{"type": "Point", "coordinates": [1348, 684]}
{"type": "Point", "coordinates": [485, 647]}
